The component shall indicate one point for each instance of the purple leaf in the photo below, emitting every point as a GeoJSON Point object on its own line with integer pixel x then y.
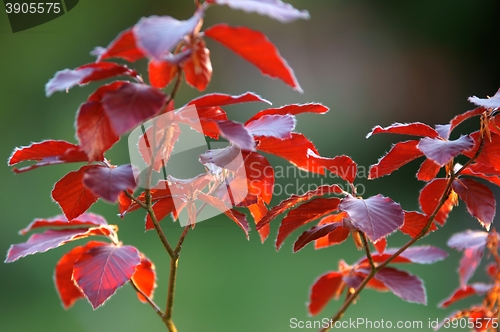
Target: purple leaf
{"type": "Point", "coordinates": [237, 134]}
{"type": "Point", "coordinates": [275, 9]}
{"type": "Point", "coordinates": [85, 219]}
{"type": "Point", "coordinates": [50, 239]}
{"type": "Point", "coordinates": [131, 104]}
{"type": "Point", "coordinates": [408, 287]}
{"type": "Point", "coordinates": [279, 126]}
{"type": "Point", "coordinates": [158, 35]}
{"type": "Point", "coordinates": [421, 254]}
{"type": "Point", "coordinates": [442, 151]}
{"type": "Point", "coordinates": [377, 216]}
{"type": "Point", "coordinates": [101, 270]}
{"type": "Point", "coordinates": [108, 183]}
{"type": "Point", "coordinates": [66, 79]}
{"type": "Point", "coordinates": [493, 102]}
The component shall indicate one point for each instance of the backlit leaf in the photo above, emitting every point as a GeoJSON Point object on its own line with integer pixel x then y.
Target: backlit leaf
{"type": "Point", "coordinates": [47, 152]}
{"type": "Point", "coordinates": [321, 231]}
{"type": "Point", "coordinates": [341, 166]}
{"type": "Point", "coordinates": [68, 78]}
{"type": "Point", "coordinates": [493, 102]}
{"type": "Point", "coordinates": [462, 293]}
{"type": "Point", "coordinates": [478, 198]}
{"type": "Point", "coordinates": [336, 236]}
{"type": "Point", "coordinates": [68, 292]}
{"type": "Point", "coordinates": [221, 99]}
{"type": "Point", "coordinates": [441, 151]}
{"type": "Point", "coordinates": [124, 46]}
{"type": "Point", "coordinates": [161, 73]}
{"type": "Point", "coordinates": [144, 278]}
{"type": "Point", "coordinates": [400, 154]}
{"type": "Point", "coordinates": [157, 36]}
{"type": "Point", "coordinates": [431, 195]}
{"type": "Point", "coordinates": [198, 67]}
{"type": "Point", "coordinates": [304, 214]}
{"type": "Point", "coordinates": [472, 243]}
{"type": "Point", "coordinates": [279, 126]}
{"type": "Point", "coordinates": [275, 9]}
{"type": "Point", "coordinates": [428, 170]}
{"type": "Point", "coordinates": [109, 182]}
{"type": "Point", "coordinates": [85, 219]}
{"type": "Point", "coordinates": [237, 134]}
{"type": "Point", "coordinates": [414, 223]}
{"type": "Point", "coordinates": [101, 270]}
{"type": "Point", "coordinates": [71, 195]}
{"type": "Point", "coordinates": [408, 287]}
{"type": "Point", "coordinates": [292, 109]}
{"type": "Point", "coordinates": [377, 216]}
{"type": "Point", "coordinates": [50, 239]}
{"type": "Point", "coordinates": [131, 104]}
{"type": "Point", "coordinates": [413, 129]}
{"type": "Point", "coordinates": [258, 211]}
{"type": "Point", "coordinates": [254, 47]}
{"type": "Point", "coordinates": [297, 199]}
{"type": "Point", "coordinates": [326, 287]}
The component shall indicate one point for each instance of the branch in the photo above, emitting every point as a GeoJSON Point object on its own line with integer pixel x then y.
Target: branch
{"type": "Point", "coordinates": [150, 301]}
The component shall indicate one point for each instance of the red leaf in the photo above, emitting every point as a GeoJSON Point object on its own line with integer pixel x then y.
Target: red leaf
{"type": "Point", "coordinates": [400, 154]}
{"type": "Point", "coordinates": [336, 236]}
{"type": "Point", "coordinates": [295, 150]}
{"type": "Point", "coordinates": [279, 126]}
{"type": "Point", "coordinates": [326, 287]}
{"type": "Point", "coordinates": [47, 152]}
{"type": "Point", "coordinates": [94, 131]}
{"type": "Point", "coordinates": [260, 176]}
{"type": "Point", "coordinates": [292, 109]}
{"type": "Point", "coordinates": [71, 195]}
{"type": "Point", "coordinates": [157, 35]}
{"type": "Point", "coordinates": [144, 278]}
{"type": "Point", "coordinates": [304, 214]}
{"type": "Point", "coordinates": [198, 67]}
{"type": "Point", "coordinates": [413, 129]}
{"type": "Point", "coordinates": [442, 151]}
{"type": "Point", "coordinates": [258, 211]}
{"type": "Point", "coordinates": [108, 183]}
{"type": "Point", "coordinates": [221, 99]}
{"type": "Point", "coordinates": [478, 198]}
{"type": "Point", "coordinates": [68, 78]}
{"type": "Point", "coordinates": [493, 102]}
{"type": "Point", "coordinates": [377, 216]}
{"type": "Point", "coordinates": [414, 223]}
{"type": "Point", "coordinates": [254, 47]}
{"type": "Point", "coordinates": [50, 239]}
{"type": "Point", "coordinates": [161, 73]}
{"type": "Point", "coordinates": [408, 287]}
{"type": "Point", "coordinates": [428, 170]}
{"type": "Point", "coordinates": [462, 293]}
{"type": "Point", "coordinates": [68, 292]}
{"type": "Point", "coordinates": [237, 134]}
{"type": "Point", "coordinates": [163, 208]}
{"type": "Point", "coordinates": [297, 199]}
{"type": "Point", "coordinates": [321, 231]}
{"type": "Point", "coordinates": [124, 46]}
{"type": "Point", "coordinates": [100, 271]}
{"type": "Point", "coordinates": [341, 166]}
{"type": "Point", "coordinates": [464, 116]}
{"type": "Point", "coordinates": [430, 197]}
{"type": "Point", "coordinates": [275, 9]}
{"type": "Point", "coordinates": [380, 245]}
{"type": "Point", "coordinates": [131, 104]}
{"type": "Point", "coordinates": [85, 219]}
{"type": "Point", "coordinates": [238, 217]}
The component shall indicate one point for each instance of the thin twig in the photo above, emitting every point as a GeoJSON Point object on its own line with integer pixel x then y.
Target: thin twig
{"type": "Point", "coordinates": [367, 250]}
{"type": "Point", "coordinates": [150, 301]}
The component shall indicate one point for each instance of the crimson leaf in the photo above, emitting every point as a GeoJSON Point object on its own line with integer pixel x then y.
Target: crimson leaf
{"type": "Point", "coordinates": [430, 196]}
{"type": "Point", "coordinates": [414, 129]}
{"type": "Point", "coordinates": [85, 219]}
{"type": "Point", "coordinates": [144, 278]}
{"type": "Point", "coordinates": [63, 275]}
{"type": "Point", "coordinates": [326, 287]}
{"type": "Point", "coordinates": [101, 270]}
{"type": "Point", "coordinates": [108, 182]}
{"type": "Point", "coordinates": [292, 109]}
{"type": "Point", "coordinates": [47, 152]}
{"type": "Point", "coordinates": [400, 154]}
{"type": "Point", "coordinates": [124, 46]}
{"type": "Point", "coordinates": [377, 216]}
{"type": "Point", "coordinates": [71, 195]}
{"type": "Point", "coordinates": [338, 229]}
{"type": "Point", "coordinates": [254, 47]}
{"type": "Point", "coordinates": [461, 293]}
{"type": "Point", "coordinates": [198, 67]}
{"type": "Point", "coordinates": [221, 99]}
{"type": "Point", "coordinates": [478, 198]}
{"type": "Point", "coordinates": [342, 166]}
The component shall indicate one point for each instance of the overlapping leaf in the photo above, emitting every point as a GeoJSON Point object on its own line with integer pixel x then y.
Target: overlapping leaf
{"type": "Point", "coordinates": [413, 129]}
{"type": "Point", "coordinates": [254, 47]}
{"type": "Point", "coordinates": [109, 182]}
{"type": "Point", "coordinates": [275, 9]}
{"type": "Point", "coordinates": [85, 219]}
{"type": "Point", "coordinates": [442, 151]}
{"type": "Point", "coordinates": [341, 166]}
{"type": "Point", "coordinates": [326, 287]}
{"type": "Point", "coordinates": [430, 197]}
{"type": "Point", "coordinates": [198, 67]}
{"type": "Point", "coordinates": [144, 278]}
{"type": "Point", "coordinates": [408, 287]}
{"type": "Point", "coordinates": [464, 292]}
{"type": "Point", "coordinates": [47, 152]}
{"type": "Point", "coordinates": [101, 270]}
{"type": "Point", "coordinates": [400, 154]}
{"type": "Point", "coordinates": [124, 46]}
{"type": "Point", "coordinates": [377, 216]}
{"type": "Point", "coordinates": [493, 102]}
{"type": "Point", "coordinates": [292, 109]}
{"type": "Point", "coordinates": [279, 126]}
{"type": "Point", "coordinates": [478, 198]}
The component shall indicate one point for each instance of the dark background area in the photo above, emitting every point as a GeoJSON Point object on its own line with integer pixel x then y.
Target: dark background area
{"type": "Point", "coordinates": [371, 62]}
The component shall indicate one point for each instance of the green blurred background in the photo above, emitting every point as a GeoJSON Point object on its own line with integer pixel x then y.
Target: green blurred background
{"type": "Point", "coordinates": [371, 62]}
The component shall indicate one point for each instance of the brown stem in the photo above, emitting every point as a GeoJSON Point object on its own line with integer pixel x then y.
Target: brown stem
{"type": "Point", "coordinates": [167, 318]}
{"type": "Point", "coordinates": [367, 250]}
{"type": "Point", "coordinates": [422, 233]}
{"type": "Point", "coordinates": [150, 301]}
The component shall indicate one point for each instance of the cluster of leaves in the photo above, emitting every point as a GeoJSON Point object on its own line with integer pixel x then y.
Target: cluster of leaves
{"type": "Point", "coordinates": [376, 217]}
{"type": "Point", "coordinates": [175, 50]}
